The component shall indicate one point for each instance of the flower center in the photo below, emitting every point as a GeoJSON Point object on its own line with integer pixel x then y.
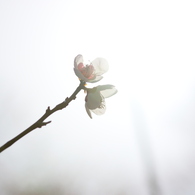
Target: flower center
{"type": "Point", "coordinates": [87, 71]}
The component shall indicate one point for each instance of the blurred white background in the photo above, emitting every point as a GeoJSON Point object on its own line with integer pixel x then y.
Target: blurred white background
{"type": "Point", "coordinates": [144, 143]}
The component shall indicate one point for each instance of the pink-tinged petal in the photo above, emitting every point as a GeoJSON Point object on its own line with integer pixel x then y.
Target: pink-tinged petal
{"type": "Point", "coordinates": [80, 66]}
{"type": "Point", "coordinates": [87, 71]}
{"type": "Point", "coordinates": [96, 79]}
{"type": "Point", "coordinates": [100, 66]}
{"type": "Point", "coordinates": [83, 72]}
{"type": "Point", "coordinates": [77, 60]}
{"type": "Point", "coordinates": [80, 75]}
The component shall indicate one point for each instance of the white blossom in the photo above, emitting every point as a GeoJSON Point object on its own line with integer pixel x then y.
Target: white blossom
{"type": "Point", "coordinates": [90, 72]}
{"type": "Point", "coordinates": [95, 99]}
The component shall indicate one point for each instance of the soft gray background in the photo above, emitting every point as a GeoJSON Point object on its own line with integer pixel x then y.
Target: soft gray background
{"type": "Point", "coordinates": [144, 144]}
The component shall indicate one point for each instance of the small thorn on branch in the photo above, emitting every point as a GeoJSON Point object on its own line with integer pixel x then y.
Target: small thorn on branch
{"type": "Point", "coordinates": [39, 125]}
{"type": "Point", "coordinates": [48, 109]}
{"type": "Point", "coordinates": [67, 101]}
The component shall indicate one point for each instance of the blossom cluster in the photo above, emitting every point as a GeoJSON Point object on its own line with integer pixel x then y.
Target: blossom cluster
{"type": "Point", "coordinates": [95, 98]}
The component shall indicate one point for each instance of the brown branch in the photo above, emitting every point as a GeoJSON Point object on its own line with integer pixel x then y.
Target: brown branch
{"type": "Point", "coordinates": [40, 122]}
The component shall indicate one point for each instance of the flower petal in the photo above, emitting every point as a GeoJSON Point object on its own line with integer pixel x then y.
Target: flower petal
{"type": "Point", "coordinates": [107, 90]}
{"type": "Point", "coordinates": [101, 109]}
{"type": "Point", "coordinates": [95, 102]}
{"type": "Point", "coordinates": [100, 65]}
{"type": "Point", "coordinates": [93, 98]}
{"type": "Point", "coordinates": [87, 71]}
{"type": "Point", "coordinates": [88, 111]}
{"type": "Point", "coordinates": [77, 60]}
{"type": "Point", "coordinates": [96, 79]}
{"type": "Point", "coordinates": [80, 75]}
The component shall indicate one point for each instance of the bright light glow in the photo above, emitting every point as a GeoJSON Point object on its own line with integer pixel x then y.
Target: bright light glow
{"type": "Point", "coordinates": [149, 46]}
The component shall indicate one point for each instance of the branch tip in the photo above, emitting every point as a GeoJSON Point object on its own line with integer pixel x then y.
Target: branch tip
{"type": "Point", "coordinates": [45, 123]}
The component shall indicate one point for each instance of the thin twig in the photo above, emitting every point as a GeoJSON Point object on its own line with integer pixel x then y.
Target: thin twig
{"type": "Point", "coordinates": [40, 122]}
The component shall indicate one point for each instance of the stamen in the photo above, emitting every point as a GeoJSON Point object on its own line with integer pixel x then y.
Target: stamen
{"type": "Point", "coordinates": [80, 66]}
{"type": "Point", "coordinates": [87, 71]}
